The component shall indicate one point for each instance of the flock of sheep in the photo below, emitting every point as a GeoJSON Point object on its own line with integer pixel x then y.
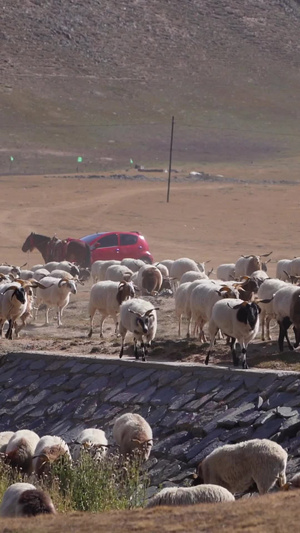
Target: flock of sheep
{"type": "Point", "coordinates": [230, 304]}
{"type": "Point", "coordinates": [257, 464]}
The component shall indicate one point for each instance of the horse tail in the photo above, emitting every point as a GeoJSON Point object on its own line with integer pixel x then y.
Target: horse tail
{"type": "Point", "coordinates": [88, 258]}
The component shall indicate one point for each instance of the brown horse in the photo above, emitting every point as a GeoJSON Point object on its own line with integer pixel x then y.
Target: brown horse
{"type": "Point", "coordinates": [54, 249]}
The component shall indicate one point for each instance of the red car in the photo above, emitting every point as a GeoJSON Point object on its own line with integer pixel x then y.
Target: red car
{"type": "Point", "coordinates": [118, 245]}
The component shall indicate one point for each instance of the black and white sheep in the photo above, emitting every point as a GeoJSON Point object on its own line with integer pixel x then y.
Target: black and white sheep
{"type": "Point", "coordinates": [106, 297]}
{"type": "Point", "coordinates": [238, 467]}
{"type": "Point", "coordinates": [133, 435]}
{"type": "Point", "coordinates": [238, 320]}
{"type": "Point", "coordinates": [139, 317]}
{"type": "Point", "coordinates": [208, 493]}
{"type": "Point", "coordinates": [24, 499]}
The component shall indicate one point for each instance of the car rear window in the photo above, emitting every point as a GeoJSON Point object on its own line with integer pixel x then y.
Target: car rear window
{"type": "Point", "coordinates": [127, 239]}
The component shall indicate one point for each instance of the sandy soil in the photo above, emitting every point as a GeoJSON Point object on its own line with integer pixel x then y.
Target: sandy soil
{"type": "Point", "coordinates": [215, 221]}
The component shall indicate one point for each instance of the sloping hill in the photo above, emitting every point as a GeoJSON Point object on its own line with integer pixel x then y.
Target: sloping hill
{"type": "Point", "coordinates": [104, 79]}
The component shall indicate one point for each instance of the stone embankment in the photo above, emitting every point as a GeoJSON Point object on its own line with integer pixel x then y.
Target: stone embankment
{"type": "Point", "coordinates": [192, 408]}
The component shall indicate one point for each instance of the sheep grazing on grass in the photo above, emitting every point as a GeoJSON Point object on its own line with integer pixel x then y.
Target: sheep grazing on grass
{"type": "Point", "coordinates": [133, 435]}
{"type": "Point", "coordinates": [20, 450]}
{"type": "Point", "coordinates": [238, 466]}
{"type": "Point", "coordinates": [139, 317]}
{"type": "Point", "coordinates": [23, 499]}
{"type": "Point", "coordinates": [92, 440]}
{"type": "Point", "coordinates": [49, 449]}
{"type": "Point", "coordinates": [106, 297]}
{"type": "Point", "coordinates": [191, 495]}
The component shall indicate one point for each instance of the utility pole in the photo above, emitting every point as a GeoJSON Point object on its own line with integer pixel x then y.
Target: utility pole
{"type": "Point", "coordinates": [170, 160]}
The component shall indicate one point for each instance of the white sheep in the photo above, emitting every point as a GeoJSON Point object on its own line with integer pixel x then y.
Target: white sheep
{"type": "Point", "coordinates": [259, 276]}
{"type": "Point", "coordinates": [236, 319]}
{"type": "Point", "coordinates": [266, 291]}
{"type": "Point", "coordinates": [106, 297]}
{"type": "Point", "coordinates": [5, 437]}
{"type": "Point", "coordinates": [58, 273]}
{"type": "Point", "coordinates": [132, 264]}
{"type": "Point", "coordinates": [191, 495]}
{"type": "Point", "coordinates": [282, 311]}
{"type": "Point", "coordinates": [118, 273]}
{"type": "Point", "coordinates": [92, 440]}
{"type": "Point", "coordinates": [95, 270]}
{"type": "Point", "coordinates": [238, 466]}
{"type": "Point", "coordinates": [49, 449]}
{"type": "Point", "coordinates": [283, 269]}
{"type": "Point", "coordinates": [20, 450]}
{"type": "Point", "coordinates": [203, 298]}
{"type": "Point", "coordinates": [133, 434]}
{"type": "Point", "coordinates": [247, 264]}
{"type": "Point", "coordinates": [139, 317]}
{"type": "Point", "coordinates": [180, 303]}
{"type": "Point", "coordinates": [56, 293]}
{"type": "Point", "coordinates": [26, 274]}
{"type": "Point", "coordinates": [104, 267]}
{"type": "Point", "coordinates": [191, 275]}
{"type": "Point", "coordinates": [51, 265]}
{"type": "Point", "coordinates": [180, 267]}
{"type": "Point", "coordinates": [168, 263]}
{"type": "Point", "coordinates": [12, 270]}
{"type": "Point", "coordinates": [41, 273]}
{"type": "Point", "coordinates": [226, 271]}
{"type": "Point", "coordinates": [24, 499]}
{"type": "Point", "coordinates": [163, 269]}
{"type": "Point", "coordinates": [69, 267]}
{"type": "Point", "coordinates": [37, 267]}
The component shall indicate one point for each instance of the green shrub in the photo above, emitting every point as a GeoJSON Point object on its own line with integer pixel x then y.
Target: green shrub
{"type": "Point", "coordinates": [88, 485]}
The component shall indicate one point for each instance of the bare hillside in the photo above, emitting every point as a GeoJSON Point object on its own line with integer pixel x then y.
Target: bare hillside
{"type": "Point", "coordinates": [103, 79]}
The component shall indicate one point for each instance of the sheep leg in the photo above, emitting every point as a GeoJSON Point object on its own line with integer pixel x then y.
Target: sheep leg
{"type": "Point", "coordinates": [102, 318]}
{"type": "Point", "coordinates": [268, 320]}
{"type": "Point", "coordinates": [179, 325]}
{"type": "Point", "coordinates": [263, 324]}
{"type": "Point", "coordinates": [8, 334]}
{"type": "Point", "coordinates": [92, 314]}
{"type": "Point", "coordinates": [235, 358]}
{"type": "Point", "coordinates": [244, 355]}
{"type": "Point", "coordinates": [47, 316]}
{"type": "Point", "coordinates": [283, 333]}
{"type": "Point", "coordinates": [297, 336]}
{"type": "Point", "coordinates": [1, 328]}
{"type": "Point", "coordinates": [213, 329]}
{"type": "Point", "coordinates": [136, 353]}
{"type": "Point", "coordinates": [188, 334]}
